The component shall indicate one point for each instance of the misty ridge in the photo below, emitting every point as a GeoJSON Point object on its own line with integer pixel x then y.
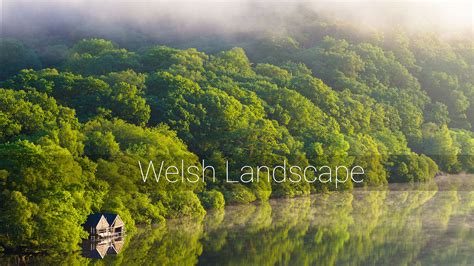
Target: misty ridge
{"type": "Point", "coordinates": [225, 24]}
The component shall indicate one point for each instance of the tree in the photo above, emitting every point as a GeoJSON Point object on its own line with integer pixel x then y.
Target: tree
{"type": "Point", "coordinates": [15, 56]}
{"type": "Point", "coordinates": [438, 144]}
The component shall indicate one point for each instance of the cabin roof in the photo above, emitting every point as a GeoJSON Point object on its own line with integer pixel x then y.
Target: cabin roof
{"type": "Point", "coordinates": [93, 220]}
{"type": "Point", "coordinates": [111, 217]}
{"type": "Point", "coordinates": [103, 219]}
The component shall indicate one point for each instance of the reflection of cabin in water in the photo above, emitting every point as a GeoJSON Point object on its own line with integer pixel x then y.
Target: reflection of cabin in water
{"type": "Point", "coordinates": [104, 225]}
{"type": "Point", "coordinates": [99, 249]}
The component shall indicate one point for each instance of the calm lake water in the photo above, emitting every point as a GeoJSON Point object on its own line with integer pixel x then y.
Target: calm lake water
{"type": "Point", "coordinates": [423, 224]}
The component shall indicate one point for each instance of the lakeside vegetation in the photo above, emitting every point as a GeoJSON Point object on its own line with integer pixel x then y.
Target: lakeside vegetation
{"type": "Point", "coordinates": [414, 224]}
{"type": "Point", "coordinates": [76, 117]}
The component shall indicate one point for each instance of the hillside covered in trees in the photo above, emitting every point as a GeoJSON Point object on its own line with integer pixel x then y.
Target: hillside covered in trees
{"type": "Point", "coordinates": [77, 114]}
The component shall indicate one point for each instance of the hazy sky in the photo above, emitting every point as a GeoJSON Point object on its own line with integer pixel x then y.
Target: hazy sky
{"type": "Point", "coordinates": [442, 16]}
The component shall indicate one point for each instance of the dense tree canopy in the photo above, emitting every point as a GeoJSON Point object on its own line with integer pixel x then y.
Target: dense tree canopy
{"type": "Point", "coordinates": [72, 134]}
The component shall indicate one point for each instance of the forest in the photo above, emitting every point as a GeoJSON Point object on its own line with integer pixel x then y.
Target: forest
{"type": "Point", "coordinates": [78, 112]}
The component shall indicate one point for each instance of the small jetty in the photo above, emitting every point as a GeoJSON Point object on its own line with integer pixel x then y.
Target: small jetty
{"type": "Point", "coordinates": [101, 226]}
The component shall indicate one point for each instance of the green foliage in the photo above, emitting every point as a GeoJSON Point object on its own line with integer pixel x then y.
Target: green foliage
{"type": "Point", "coordinates": [234, 63]}
{"type": "Point", "coordinates": [238, 194]}
{"type": "Point", "coordinates": [367, 155]}
{"type": "Point", "coordinates": [437, 113]}
{"type": "Point", "coordinates": [212, 199]}
{"type": "Point", "coordinates": [275, 74]}
{"type": "Point", "coordinates": [118, 146]}
{"type": "Point", "coordinates": [99, 57]}
{"type": "Point", "coordinates": [184, 203]}
{"type": "Point", "coordinates": [263, 189]}
{"type": "Point", "coordinates": [87, 95]}
{"type": "Point", "coordinates": [71, 139]}
{"type": "Point", "coordinates": [188, 63]}
{"type": "Point", "coordinates": [438, 144]}
{"type": "Point", "coordinates": [412, 167]}
{"type": "Point", "coordinates": [15, 56]}
{"type": "Point", "coordinates": [464, 142]}
{"type": "Point", "coordinates": [48, 182]}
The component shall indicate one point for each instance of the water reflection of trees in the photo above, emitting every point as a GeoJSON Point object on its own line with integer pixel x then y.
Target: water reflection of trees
{"type": "Point", "coordinates": [366, 227]}
{"type": "Point", "coordinates": [404, 226]}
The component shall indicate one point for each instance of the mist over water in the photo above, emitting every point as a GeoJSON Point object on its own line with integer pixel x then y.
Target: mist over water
{"type": "Point", "coordinates": [173, 19]}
